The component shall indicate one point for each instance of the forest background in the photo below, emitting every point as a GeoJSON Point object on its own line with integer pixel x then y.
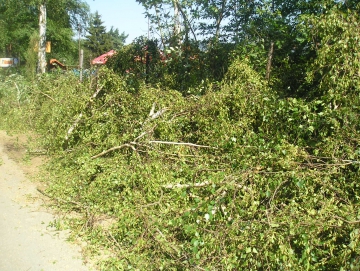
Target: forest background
{"type": "Point", "coordinates": [227, 139]}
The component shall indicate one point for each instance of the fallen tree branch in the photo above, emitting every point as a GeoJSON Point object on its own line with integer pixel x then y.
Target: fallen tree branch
{"type": "Point", "coordinates": [159, 113]}
{"type": "Point", "coordinates": [140, 136]}
{"type": "Point", "coordinates": [113, 149]}
{"type": "Point", "coordinates": [152, 110]}
{"type": "Point", "coordinates": [167, 242]}
{"type": "Point", "coordinates": [154, 115]}
{"type": "Point", "coordinates": [180, 143]}
{"type": "Point", "coordinates": [347, 221]}
{"type": "Point", "coordinates": [80, 206]}
{"type": "Point", "coordinates": [326, 165]}
{"type": "Point", "coordinates": [18, 94]}
{"type": "Point", "coordinates": [76, 122]}
{"type": "Point", "coordinates": [179, 185]}
{"type": "Point", "coordinates": [48, 96]}
{"type": "Point", "coordinates": [202, 184]}
{"type": "Point", "coordinates": [276, 190]}
{"type": "Point", "coordinates": [36, 152]}
{"type": "Point", "coordinates": [73, 126]}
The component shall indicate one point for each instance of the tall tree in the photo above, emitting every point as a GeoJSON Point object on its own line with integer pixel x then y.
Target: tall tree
{"type": "Point", "coordinates": [41, 66]}
{"type": "Point", "coordinates": [177, 25]}
{"type": "Point", "coordinates": [118, 40]}
{"type": "Point", "coordinates": [170, 18]}
{"type": "Point", "coordinates": [98, 41]}
{"type": "Point", "coordinates": [213, 12]}
{"type": "Point", "coordinates": [65, 18]}
{"type": "Point", "coordinates": [19, 20]}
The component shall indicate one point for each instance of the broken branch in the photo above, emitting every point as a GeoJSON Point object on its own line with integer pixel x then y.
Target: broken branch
{"type": "Point", "coordinates": [180, 143]}
{"type": "Point", "coordinates": [113, 149]}
{"type": "Point", "coordinates": [76, 122]}
{"type": "Point", "coordinates": [179, 185]}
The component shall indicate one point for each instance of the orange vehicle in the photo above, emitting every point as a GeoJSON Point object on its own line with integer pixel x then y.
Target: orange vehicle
{"type": "Point", "coordinates": [54, 63]}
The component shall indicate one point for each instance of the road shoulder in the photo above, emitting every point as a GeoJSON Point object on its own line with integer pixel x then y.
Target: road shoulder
{"type": "Point", "coordinates": [27, 240]}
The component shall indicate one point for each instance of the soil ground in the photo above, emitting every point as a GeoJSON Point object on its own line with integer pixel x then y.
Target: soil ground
{"type": "Point", "coordinates": [27, 241]}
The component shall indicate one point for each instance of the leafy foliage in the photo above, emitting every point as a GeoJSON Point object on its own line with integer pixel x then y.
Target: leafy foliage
{"type": "Point", "coordinates": [19, 20]}
{"type": "Point", "coordinates": [167, 170]}
{"type": "Point", "coordinates": [118, 40]}
{"type": "Point", "coordinates": [336, 68]}
{"type": "Point", "coordinates": [185, 68]}
{"type": "Point", "coordinates": [99, 41]}
{"type": "Point", "coordinates": [234, 179]}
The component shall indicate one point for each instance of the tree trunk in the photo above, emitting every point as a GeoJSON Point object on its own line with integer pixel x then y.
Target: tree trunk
{"type": "Point", "coordinates": [177, 25]}
{"type": "Point", "coordinates": [187, 23]}
{"type": "Point", "coordinates": [41, 66]}
{"type": "Point", "coordinates": [219, 19]}
{"type": "Point", "coordinates": [269, 61]}
{"type": "Point", "coordinates": [160, 27]}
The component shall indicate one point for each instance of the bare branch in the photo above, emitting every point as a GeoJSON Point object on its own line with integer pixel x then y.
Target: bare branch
{"type": "Point", "coordinates": [347, 221]}
{"type": "Point", "coordinates": [113, 149]}
{"type": "Point", "coordinates": [169, 243]}
{"type": "Point", "coordinates": [47, 96]}
{"type": "Point", "coordinates": [276, 190]}
{"type": "Point", "coordinates": [140, 136]}
{"type": "Point", "coordinates": [73, 126]}
{"type": "Point", "coordinates": [159, 113]}
{"type": "Point", "coordinates": [178, 185]}
{"type": "Point", "coordinates": [152, 111]}
{"type": "Point", "coordinates": [180, 143]}
{"type": "Point", "coordinates": [199, 185]}
{"type": "Point", "coordinates": [76, 122]}
{"type": "Point", "coordinates": [154, 115]}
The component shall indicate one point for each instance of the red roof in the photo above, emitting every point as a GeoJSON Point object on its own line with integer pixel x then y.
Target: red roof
{"type": "Point", "coordinates": [103, 58]}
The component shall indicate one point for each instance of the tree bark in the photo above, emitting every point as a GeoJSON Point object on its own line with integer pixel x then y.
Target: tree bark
{"type": "Point", "coordinates": [269, 61]}
{"type": "Point", "coordinates": [219, 19]}
{"type": "Point", "coordinates": [187, 22]}
{"type": "Point", "coordinates": [160, 27]}
{"type": "Point", "coordinates": [41, 66]}
{"type": "Point", "coordinates": [177, 25]}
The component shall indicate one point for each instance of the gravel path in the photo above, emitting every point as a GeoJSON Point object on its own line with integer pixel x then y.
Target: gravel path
{"type": "Point", "coordinates": [27, 243]}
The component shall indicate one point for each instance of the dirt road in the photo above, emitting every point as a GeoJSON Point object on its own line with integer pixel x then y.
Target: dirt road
{"type": "Point", "coordinates": [26, 240]}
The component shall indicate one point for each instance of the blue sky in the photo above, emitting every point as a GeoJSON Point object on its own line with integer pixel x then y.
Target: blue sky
{"type": "Point", "coordinates": [125, 15]}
